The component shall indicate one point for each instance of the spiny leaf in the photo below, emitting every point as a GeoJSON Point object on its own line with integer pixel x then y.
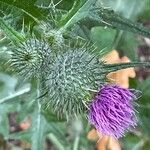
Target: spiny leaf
{"type": "Point", "coordinates": [109, 18]}
{"type": "Point", "coordinates": [6, 108]}
{"type": "Point", "coordinates": [114, 20]}
{"type": "Point", "coordinates": [26, 6]}
{"type": "Point", "coordinates": [36, 134]}
{"type": "Point", "coordinates": [114, 67]}
{"type": "Point", "coordinates": [15, 36]}
{"type": "Point", "coordinates": [77, 5]}
{"type": "Point", "coordinates": [89, 12]}
{"type": "Point", "coordinates": [81, 9]}
{"type": "Point", "coordinates": [39, 128]}
{"type": "Point", "coordinates": [10, 14]}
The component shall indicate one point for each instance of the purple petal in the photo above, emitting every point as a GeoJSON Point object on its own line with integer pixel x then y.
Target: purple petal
{"type": "Point", "coordinates": [112, 110]}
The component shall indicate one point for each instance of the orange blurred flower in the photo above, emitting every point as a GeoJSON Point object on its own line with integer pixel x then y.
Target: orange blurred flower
{"type": "Point", "coordinates": [120, 77]}
{"type": "Point", "coordinates": [25, 124]}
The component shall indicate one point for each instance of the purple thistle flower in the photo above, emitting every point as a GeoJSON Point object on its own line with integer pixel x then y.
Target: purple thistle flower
{"type": "Point", "coordinates": [112, 111]}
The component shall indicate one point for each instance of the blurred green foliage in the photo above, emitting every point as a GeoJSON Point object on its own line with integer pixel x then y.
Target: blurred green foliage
{"type": "Point", "coordinates": [21, 16]}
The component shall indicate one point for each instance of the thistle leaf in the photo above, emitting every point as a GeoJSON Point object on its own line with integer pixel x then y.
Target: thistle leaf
{"type": "Point", "coordinates": [109, 18]}
{"type": "Point", "coordinates": [114, 67]}
{"type": "Point", "coordinates": [12, 34]}
{"type": "Point", "coordinates": [114, 20]}
{"type": "Point", "coordinates": [8, 91]}
{"type": "Point", "coordinates": [10, 14]}
{"type": "Point", "coordinates": [81, 9]}
{"type": "Point", "coordinates": [26, 6]}
{"type": "Point", "coordinates": [39, 128]}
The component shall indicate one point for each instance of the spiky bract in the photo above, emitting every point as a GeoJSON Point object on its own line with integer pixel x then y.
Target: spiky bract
{"type": "Point", "coordinates": [55, 38]}
{"type": "Point", "coordinates": [73, 76]}
{"type": "Point", "coordinates": [32, 58]}
{"type": "Point", "coordinates": [50, 29]}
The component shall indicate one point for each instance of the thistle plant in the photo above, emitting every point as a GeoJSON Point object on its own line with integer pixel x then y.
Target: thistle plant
{"type": "Point", "coordinates": [65, 66]}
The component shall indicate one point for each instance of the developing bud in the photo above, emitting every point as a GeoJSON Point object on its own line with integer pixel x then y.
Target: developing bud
{"type": "Point", "coordinates": [31, 58]}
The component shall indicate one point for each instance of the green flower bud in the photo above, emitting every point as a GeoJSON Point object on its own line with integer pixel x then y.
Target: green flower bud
{"type": "Point", "coordinates": [73, 76]}
{"type": "Point", "coordinates": [31, 58]}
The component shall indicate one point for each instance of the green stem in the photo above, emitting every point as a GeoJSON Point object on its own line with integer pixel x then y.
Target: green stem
{"type": "Point", "coordinates": [56, 142]}
{"type": "Point", "coordinates": [76, 143]}
{"type": "Point", "coordinates": [18, 93]}
{"type": "Point", "coordinates": [38, 95]}
{"type": "Point", "coordinates": [50, 136]}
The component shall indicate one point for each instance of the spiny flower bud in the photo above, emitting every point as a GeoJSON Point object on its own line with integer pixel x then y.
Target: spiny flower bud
{"type": "Point", "coordinates": [31, 58]}
{"type": "Point", "coordinates": [55, 38]}
{"type": "Point", "coordinates": [112, 110]}
{"type": "Point", "coordinates": [73, 76]}
{"type": "Point", "coordinates": [53, 35]}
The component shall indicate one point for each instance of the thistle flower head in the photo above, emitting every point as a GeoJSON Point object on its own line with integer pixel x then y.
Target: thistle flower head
{"type": "Point", "coordinates": [112, 110]}
{"type": "Point", "coordinates": [31, 58]}
{"type": "Point", "coordinates": [73, 76]}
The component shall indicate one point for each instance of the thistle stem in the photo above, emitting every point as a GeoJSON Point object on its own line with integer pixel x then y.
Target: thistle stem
{"type": "Point", "coordinates": [56, 142]}
{"type": "Point", "coordinates": [114, 67]}
{"type": "Point", "coordinates": [17, 93]}
{"type": "Point", "coordinates": [76, 143]}
{"type": "Point", "coordinates": [38, 95]}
